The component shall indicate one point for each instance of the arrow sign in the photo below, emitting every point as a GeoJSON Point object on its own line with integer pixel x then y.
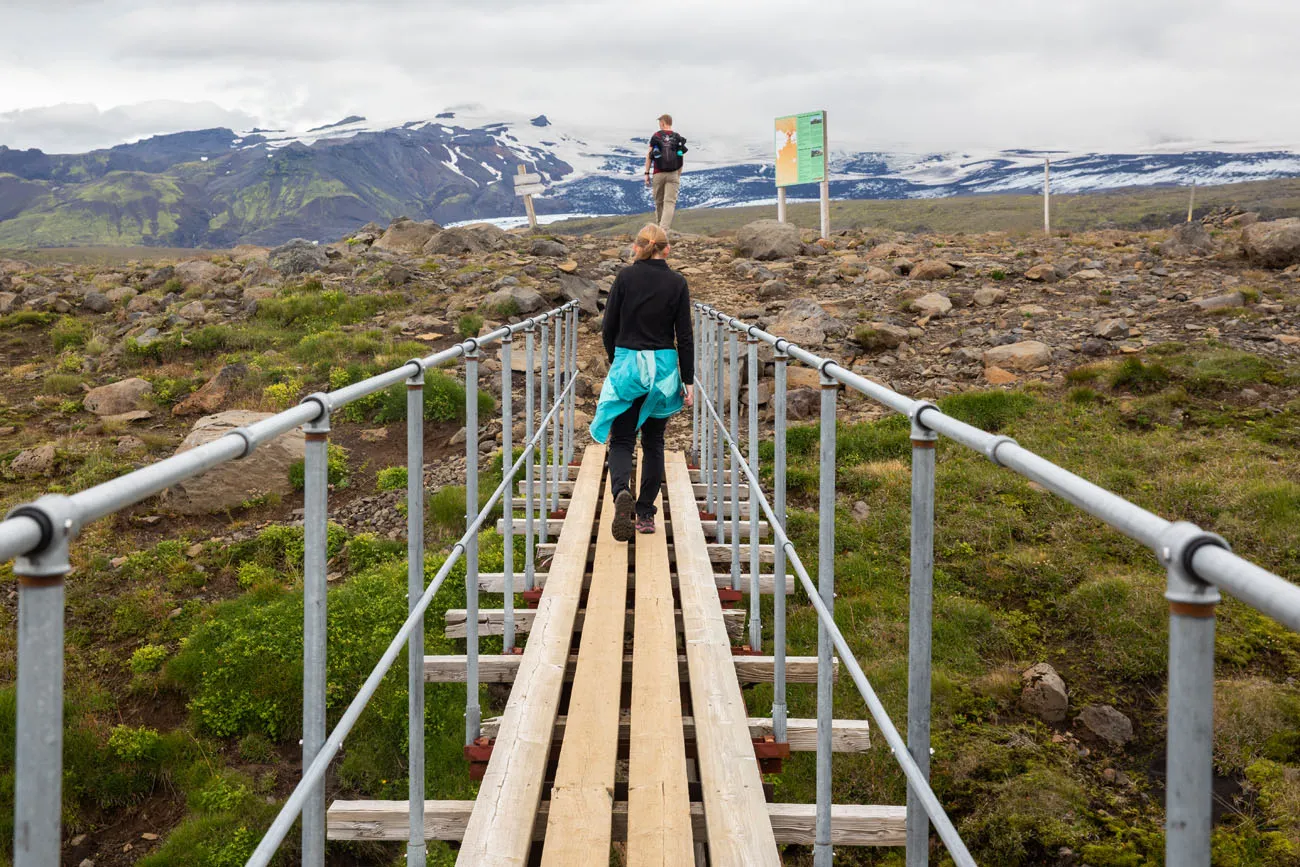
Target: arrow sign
{"type": "Point", "coordinates": [529, 178]}
{"type": "Point", "coordinates": [529, 189]}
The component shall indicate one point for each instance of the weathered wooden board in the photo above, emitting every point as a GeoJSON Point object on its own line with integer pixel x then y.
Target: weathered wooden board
{"type": "Point", "coordinates": [496, 668]}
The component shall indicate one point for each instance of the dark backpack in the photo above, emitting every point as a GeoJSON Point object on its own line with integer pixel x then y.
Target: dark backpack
{"type": "Point", "coordinates": [668, 152]}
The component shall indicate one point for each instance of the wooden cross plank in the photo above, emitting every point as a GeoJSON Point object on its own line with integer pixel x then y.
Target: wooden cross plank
{"type": "Point", "coordinates": [499, 829]}
{"type": "Point", "coordinates": [659, 818]}
{"type": "Point", "coordinates": [496, 668]}
{"type": "Point", "coordinates": [717, 553]}
{"type": "Point", "coordinates": [739, 828]}
{"type": "Point", "coordinates": [555, 526]}
{"type": "Point", "coordinates": [851, 824]}
{"type": "Point", "coordinates": [491, 621]}
{"type": "Point", "coordinates": [847, 735]}
{"type": "Point", "coordinates": [580, 822]}
{"type": "Point", "coordinates": [495, 582]}
{"type": "Point", "coordinates": [699, 489]}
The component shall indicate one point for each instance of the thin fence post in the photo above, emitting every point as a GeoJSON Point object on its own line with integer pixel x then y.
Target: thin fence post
{"type": "Point", "coordinates": [416, 851]}
{"type": "Point", "coordinates": [530, 563]}
{"type": "Point", "coordinates": [734, 372]}
{"type": "Point", "coordinates": [826, 589]}
{"type": "Point", "coordinates": [473, 715]}
{"type": "Point", "coordinates": [38, 746]}
{"type": "Point", "coordinates": [573, 395]}
{"type": "Point", "coordinates": [508, 512]}
{"type": "Point", "coordinates": [315, 540]}
{"type": "Point", "coordinates": [1188, 761]}
{"type": "Point", "coordinates": [556, 423]}
{"type": "Point", "coordinates": [919, 624]}
{"type": "Point", "coordinates": [755, 599]}
{"type": "Point", "coordinates": [705, 366]}
{"type": "Point", "coordinates": [778, 565]}
{"type": "Point", "coordinates": [719, 401]}
{"type": "Point", "coordinates": [695, 406]}
{"type": "Point", "coordinates": [542, 465]}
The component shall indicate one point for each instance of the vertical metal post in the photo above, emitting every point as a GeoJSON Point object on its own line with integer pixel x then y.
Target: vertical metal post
{"type": "Point", "coordinates": [695, 407]}
{"type": "Point", "coordinates": [755, 599]}
{"type": "Point", "coordinates": [1189, 769]}
{"type": "Point", "coordinates": [508, 459]}
{"type": "Point", "coordinates": [315, 539]}
{"type": "Point", "coordinates": [473, 715]}
{"type": "Point", "coordinates": [559, 419]}
{"type": "Point", "coordinates": [573, 395]}
{"type": "Point", "coordinates": [826, 588]}
{"type": "Point", "coordinates": [38, 748]}
{"type": "Point", "coordinates": [734, 368]}
{"type": "Point", "coordinates": [416, 851]}
{"type": "Point", "coordinates": [705, 366]}
{"type": "Point", "coordinates": [921, 605]}
{"type": "Point", "coordinates": [542, 465]}
{"type": "Point", "coordinates": [719, 453]}
{"type": "Point", "coordinates": [778, 565]}
{"type": "Point", "coordinates": [530, 555]}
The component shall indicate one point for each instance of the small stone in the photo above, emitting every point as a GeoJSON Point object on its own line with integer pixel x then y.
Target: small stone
{"type": "Point", "coordinates": [1026, 355]}
{"type": "Point", "coordinates": [568, 267]}
{"type": "Point", "coordinates": [374, 435]}
{"type": "Point", "coordinates": [128, 444]}
{"type": "Point", "coordinates": [1288, 339]}
{"type": "Point", "coordinates": [1096, 347]}
{"type": "Point", "coordinates": [96, 302]}
{"type": "Point", "coordinates": [118, 397]}
{"type": "Point", "coordinates": [1221, 302]}
{"type": "Point", "coordinates": [932, 305]}
{"type": "Point", "coordinates": [148, 836]}
{"type": "Point", "coordinates": [998, 376]}
{"type": "Point", "coordinates": [77, 841]}
{"type": "Point", "coordinates": [1108, 724]}
{"type": "Point", "coordinates": [1043, 693]}
{"type": "Point", "coordinates": [988, 296]}
{"type": "Point", "coordinates": [931, 269]}
{"type": "Point", "coordinates": [861, 510]}
{"type": "Point", "coordinates": [1044, 273]}
{"type": "Point", "coordinates": [1090, 274]}
{"type": "Point", "coordinates": [85, 862]}
{"type": "Point", "coordinates": [34, 462]}
{"type": "Point", "coordinates": [1111, 329]}
{"type": "Point", "coordinates": [773, 289]}
{"type": "Point", "coordinates": [458, 438]}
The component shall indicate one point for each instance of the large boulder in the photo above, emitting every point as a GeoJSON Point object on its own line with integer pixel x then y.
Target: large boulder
{"type": "Point", "coordinates": [264, 471]}
{"type": "Point", "coordinates": [1043, 693]}
{"type": "Point", "coordinates": [523, 299]}
{"type": "Point", "coordinates": [1024, 356]}
{"type": "Point", "coordinates": [34, 462]}
{"type": "Point", "coordinates": [931, 269]}
{"type": "Point", "coordinates": [118, 397]}
{"type": "Point", "coordinates": [199, 274]}
{"type": "Point", "coordinates": [585, 292]}
{"type": "Point", "coordinates": [1275, 244]}
{"type": "Point", "coordinates": [1107, 724]}
{"type": "Point", "coordinates": [932, 304]}
{"type": "Point", "coordinates": [481, 238]}
{"type": "Point", "coordinates": [769, 239]}
{"type": "Point", "coordinates": [214, 392]}
{"type": "Point", "coordinates": [549, 248]}
{"type": "Point", "coordinates": [1188, 239]}
{"type": "Point", "coordinates": [807, 323]}
{"type": "Point", "coordinates": [298, 256]}
{"type": "Point", "coordinates": [407, 236]}
{"type": "Point", "coordinates": [1042, 273]}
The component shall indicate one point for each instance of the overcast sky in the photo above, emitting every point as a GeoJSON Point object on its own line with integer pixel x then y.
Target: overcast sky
{"type": "Point", "coordinates": [938, 74]}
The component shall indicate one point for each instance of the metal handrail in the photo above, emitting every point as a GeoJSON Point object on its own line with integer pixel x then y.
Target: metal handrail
{"type": "Point", "coordinates": [1197, 564]}
{"type": "Point", "coordinates": [914, 774]}
{"type": "Point", "coordinates": [39, 535]}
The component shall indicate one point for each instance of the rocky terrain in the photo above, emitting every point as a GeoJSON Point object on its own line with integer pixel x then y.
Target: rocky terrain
{"type": "Point", "coordinates": [109, 368]}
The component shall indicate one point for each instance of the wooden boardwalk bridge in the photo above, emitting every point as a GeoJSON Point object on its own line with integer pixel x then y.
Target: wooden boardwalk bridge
{"type": "Point", "coordinates": [626, 723]}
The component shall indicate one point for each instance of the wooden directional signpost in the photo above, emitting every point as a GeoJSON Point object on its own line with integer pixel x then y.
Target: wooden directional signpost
{"type": "Point", "coordinates": [801, 158]}
{"type": "Point", "coordinates": [527, 185]}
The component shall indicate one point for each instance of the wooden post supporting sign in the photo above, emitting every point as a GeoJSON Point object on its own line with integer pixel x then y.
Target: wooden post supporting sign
{"type": "Point", "coordinates": [528, 185]}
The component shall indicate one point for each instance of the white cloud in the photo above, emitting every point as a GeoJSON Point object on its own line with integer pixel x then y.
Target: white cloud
{"type": "Point", "coordinates": [947, 74]}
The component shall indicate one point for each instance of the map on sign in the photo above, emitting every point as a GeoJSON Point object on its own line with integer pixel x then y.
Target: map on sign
{"type": "Point", "coordinates": [801, 148]}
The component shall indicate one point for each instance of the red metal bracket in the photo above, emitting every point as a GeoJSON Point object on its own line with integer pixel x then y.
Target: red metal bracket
{"type": "Point", "coordinates": [707, 516]}
{"type": "Point", "coordinates": [771, 754]}
{"type": "Point", "coordinates": [728, 597]}
{"type": "Point", "coordinates": [560, 513]}
{"type": "Point", "coordinates": [744, 650]}
{"type": "Point", "coordinates": [478, 754]}
{"type": "Point", "coordinates": [532, 597]}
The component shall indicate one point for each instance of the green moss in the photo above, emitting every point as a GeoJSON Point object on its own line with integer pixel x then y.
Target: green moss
{"type": "Point", "coordinates": [1122, 620]}
{"type": "Point", "coordinates": [1029, 818]}
{"type": "Point", "coordinates": [1133, 375]}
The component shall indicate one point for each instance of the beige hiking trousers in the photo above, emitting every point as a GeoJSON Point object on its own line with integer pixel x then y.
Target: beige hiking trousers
{"type": "Point", "coordinates": [665, 188]}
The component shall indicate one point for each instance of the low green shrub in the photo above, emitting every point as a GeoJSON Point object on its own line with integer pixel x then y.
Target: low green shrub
{"type": "Point", "coordinates": [469, 325]}
{"type": "Point", "coordinates": [987, 410]}
{"type": "Point", "coordinates": [148, 658]}
{"type": "Point", "coordinates": [69, 332]}
{"type": "Point", "coordinates": [391, 479]}
{"type": "Point", "coordinates": [1135, 376]}
{"type": "Point", "coordinates": [26, 319]}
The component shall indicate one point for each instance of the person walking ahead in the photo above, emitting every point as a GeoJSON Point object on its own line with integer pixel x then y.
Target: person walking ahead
{"type": "Point", "coordinates": [648, 314]}
{"type": "Point", "coordinates": [665, 157]}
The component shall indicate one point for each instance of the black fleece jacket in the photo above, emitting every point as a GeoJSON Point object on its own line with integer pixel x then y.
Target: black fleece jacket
{"type": "Point", "coordinates": [650, 305]}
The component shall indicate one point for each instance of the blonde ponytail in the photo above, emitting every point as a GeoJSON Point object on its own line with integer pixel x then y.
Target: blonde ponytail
{"type": "Point", "coordinates": [650, 241]}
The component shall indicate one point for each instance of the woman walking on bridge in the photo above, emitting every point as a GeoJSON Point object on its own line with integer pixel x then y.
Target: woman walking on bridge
{"type": "Point", "coordinates": [651, 350]}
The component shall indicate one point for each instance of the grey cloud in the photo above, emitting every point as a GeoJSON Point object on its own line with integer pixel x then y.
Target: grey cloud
{"type": "Point", "coordinates": [74, 127]}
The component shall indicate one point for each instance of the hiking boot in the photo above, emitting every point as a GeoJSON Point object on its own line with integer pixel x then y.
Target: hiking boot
{"type": "Point", "coordinates": [645, 525]}
{"type": "Point", "coordinates": [623, 527]}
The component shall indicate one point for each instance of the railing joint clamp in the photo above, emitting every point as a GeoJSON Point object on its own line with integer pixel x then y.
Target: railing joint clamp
{"type": "Point", "coordinates": [921, 433]}
{"type": "Point", "coordinates": [991, 452]}
{"type": "Point", "coordinates": [57, 519]}
{"type": "Point", "coordinates": [1176, 550]}
{"type": "Point", "coordinates": [321, 423]}
{"type": "Point", "coordinates": [416, 380]}
{"type": "Point", "coordinates": [780, 348]}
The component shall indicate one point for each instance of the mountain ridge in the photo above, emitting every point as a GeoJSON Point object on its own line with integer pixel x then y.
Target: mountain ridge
{"type": "Point", "coordinates": [220, 187]}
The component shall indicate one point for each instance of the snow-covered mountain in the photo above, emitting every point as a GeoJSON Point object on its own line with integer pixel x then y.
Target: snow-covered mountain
{"type": "Point", "coordinates": [218, 187]}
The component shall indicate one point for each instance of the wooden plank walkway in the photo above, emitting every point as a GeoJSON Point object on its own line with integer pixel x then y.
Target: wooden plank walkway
{"type": "Point", "coordinates": [580, 821]}
{"type": "Point", "coordinates": [495, 668]}
{"type": "Point", "coordinates": [495, 582]}
{"type": "Point", "coordinates": [735, 813]}
{"type": "Point", "coordinates": [491, 621]}
{"type": "Point", "coordinates": [500, 828]}
{"type": "Point", "coordinates": [659, 807]}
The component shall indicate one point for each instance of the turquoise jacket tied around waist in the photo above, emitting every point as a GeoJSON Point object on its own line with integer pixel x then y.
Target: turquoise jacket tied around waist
{"type": "Point", "coordinates": [637, 372]}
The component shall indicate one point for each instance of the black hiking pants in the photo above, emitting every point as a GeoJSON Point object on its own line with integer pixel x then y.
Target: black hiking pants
{"type": "Point", "coordinates": [622, 444]}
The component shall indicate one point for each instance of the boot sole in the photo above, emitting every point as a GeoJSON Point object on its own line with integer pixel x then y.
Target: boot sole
{"type": "Point", "coordinates": [623, 527]}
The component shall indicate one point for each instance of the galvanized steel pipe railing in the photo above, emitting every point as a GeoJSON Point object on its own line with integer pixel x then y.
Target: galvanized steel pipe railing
{"type": "Point", "coordinates": [39, 535]}
{"type": "Point", "coordinates": [1197, 563]}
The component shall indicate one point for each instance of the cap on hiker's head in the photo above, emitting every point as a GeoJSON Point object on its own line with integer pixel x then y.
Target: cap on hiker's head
{"type": "Point", "coordinates": [666, 119]}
